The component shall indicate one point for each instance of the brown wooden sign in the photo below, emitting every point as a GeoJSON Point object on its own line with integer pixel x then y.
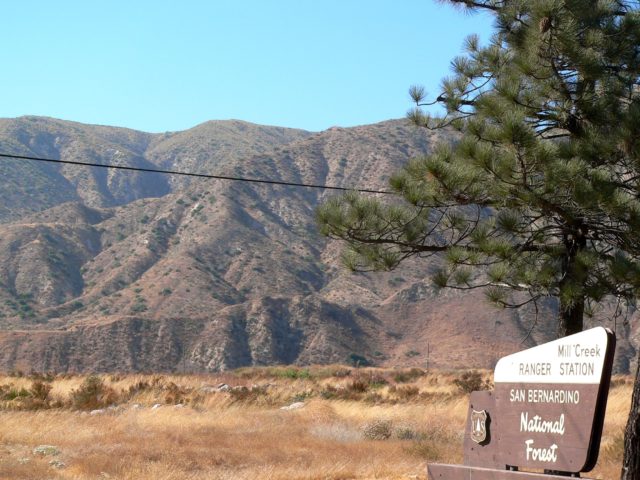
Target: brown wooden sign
{"type": "Point", "coordinates": [550, 402]}
{"type": "Point", "coordinates": [546, 412]}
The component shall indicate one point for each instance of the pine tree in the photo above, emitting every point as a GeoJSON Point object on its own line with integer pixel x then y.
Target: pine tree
{"type": "Point", "coordinates": [539, 194]}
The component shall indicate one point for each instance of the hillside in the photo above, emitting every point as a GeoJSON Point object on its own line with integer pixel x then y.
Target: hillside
{"type": "Point", "coordinates": [106, 270]}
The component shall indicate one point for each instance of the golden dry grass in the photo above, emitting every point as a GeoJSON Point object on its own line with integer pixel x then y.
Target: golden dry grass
{"type": "Point", "coordinates": [245, 434]}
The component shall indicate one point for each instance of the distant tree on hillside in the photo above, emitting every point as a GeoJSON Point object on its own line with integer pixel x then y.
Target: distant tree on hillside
{"type": "Point", "coordinates": [539, 195]}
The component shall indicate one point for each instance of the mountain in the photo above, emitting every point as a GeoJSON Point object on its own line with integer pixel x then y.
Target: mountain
{"type": "Point", "coordinates": [108, 270]}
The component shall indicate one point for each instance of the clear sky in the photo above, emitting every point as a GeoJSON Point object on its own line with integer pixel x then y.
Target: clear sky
{"type": "Point", "coordinates": [168, 65]}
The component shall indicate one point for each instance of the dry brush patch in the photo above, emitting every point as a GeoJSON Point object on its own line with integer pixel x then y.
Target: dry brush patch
{"type": "Point", "coordinates": [373, 423]}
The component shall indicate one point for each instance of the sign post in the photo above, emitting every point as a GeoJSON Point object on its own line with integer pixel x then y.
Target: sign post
{"type": "Point", "coordinates": [546, 412]}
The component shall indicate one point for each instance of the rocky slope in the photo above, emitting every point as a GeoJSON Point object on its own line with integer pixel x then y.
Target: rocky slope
{"type": "Point", "coordinates": [110, 270]}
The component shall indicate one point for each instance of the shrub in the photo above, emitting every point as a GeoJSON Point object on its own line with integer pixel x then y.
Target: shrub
{"type": "Point", "coordinates": [332, 393]}
{"type": "Point", "coordinates": [40, 390]}
{"type": "Point", "coordinates": [301, 396]}
{"type": "Point", "coordinates": [377, 381]}
{"type": "Point", "coordinates": [293, 373]}
{"type": "Point", "coordinates": [471, 381]}
{"type": "Point", "coordinates": [248, 395]}
{"type": "Point", "coordinates": [358, 385]}
{"type": "Point", "coordinates": [407, 392]}
{"type": "Point", "coordinates": [410, 375]}
{"type": "Point", "coordinates": [92, 394]}
{"type": "Point", "coordinates": [175, 394]}
{"type": "Point", "coordinates": [329, 392]}
{"type": "Point", "coordinates": [341, 372]}
{"type": "Point", "coordinates": [358, 360]}
{"type": "Point", "coordinates": [35, 398]}
{"type": "Point", "coordinates": [137, 387]}
{"type": "Point", "coordinates": [12, 393]}
{"type": "Point", "coordinates": [406, 432]}
{"type": "Point", "coordinates": [377, 430]}
{"type": "Point", "coordinates": [374, 398]}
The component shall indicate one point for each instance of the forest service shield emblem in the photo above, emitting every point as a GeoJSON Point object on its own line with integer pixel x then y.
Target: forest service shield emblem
{"type": "Point", "coordinates": [478, 426]}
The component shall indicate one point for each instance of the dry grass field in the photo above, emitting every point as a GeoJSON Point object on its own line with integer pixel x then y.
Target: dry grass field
{"type": "Point", "coordinates": [349, 424]}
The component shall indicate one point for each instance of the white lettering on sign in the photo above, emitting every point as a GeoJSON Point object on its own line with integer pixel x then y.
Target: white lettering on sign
{"type": "Point", "coordinates": [578, 359]}
{"type": "Point", "coordinates": [535, 369]}
{"type": "Point", "coordinates": [579, 351]}
{"type": "Point", "coordinates": [577, 368]}
{"type": "Point", "coordinates": [553, 396]}
{"type": "Point", "coordinates": [539, 425]}
{"type": "Point", "coordinates": [543, 395]}
{"type": "Point", "coordinates": [517, 395]}
{"type": "Point", "coordinates": [549, 454]}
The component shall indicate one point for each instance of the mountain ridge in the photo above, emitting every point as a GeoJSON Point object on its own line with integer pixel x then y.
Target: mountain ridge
{"type": "Point", "coordinates": [118, 271]}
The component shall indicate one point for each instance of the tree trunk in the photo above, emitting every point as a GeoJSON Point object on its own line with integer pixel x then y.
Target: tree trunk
{"type": "Point", "coordinates": [570, 319]}
{"type": "Point", "coordinates": [631, 459]}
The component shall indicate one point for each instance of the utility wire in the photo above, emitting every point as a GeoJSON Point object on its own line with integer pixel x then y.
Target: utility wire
{"type": "Point", "coordinates": [200, 175]}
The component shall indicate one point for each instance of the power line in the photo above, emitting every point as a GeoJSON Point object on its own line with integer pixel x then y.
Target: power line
{"type": "Point", "coordinates": [200, 175]}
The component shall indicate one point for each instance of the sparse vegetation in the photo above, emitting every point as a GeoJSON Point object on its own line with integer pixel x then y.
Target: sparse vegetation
{"type": "Point", "coordinates": [175, 425]}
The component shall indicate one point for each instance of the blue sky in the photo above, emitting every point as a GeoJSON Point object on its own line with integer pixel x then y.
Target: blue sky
{"type": "Point", "coordinates": [169, 65]}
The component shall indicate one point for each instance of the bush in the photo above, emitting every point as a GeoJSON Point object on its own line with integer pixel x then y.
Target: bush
{"type": "Point", "coordinates": [175, 394]}
{"type": "Point", "coordinates": [407, 392]}
{"type": "Point", "coordinates": [406, 432]}
{"type": "Point", "coordinates": [40, 390]}
{"type": "Point", "coordinates": [358, 385]}
{"type": "Point", "coordinates": [374, 398]}
{"type": "Point", "coordinates": [92, 394]}
{"type": "Point", "coordinates": [248, 395]}
{"type": "Point", "coordinates": [140, 386]}
{"type": "Point", "coordinates": [293, 373]}
{"type": "Point", "coordinates": [332, 393]}
{"type": "Point", "coordinates": [376, 381]}
{"type": "Point", "coordinates": [341, 372]}
{"type": "Point", "coordinates": [329, 392]}
{"type": "Point", "coordinates": [471, 381]}
{"type": "Point", "coordinates": [377, 430]}
{"type": "Point", "coordinates": [358, 360]}
{"type": "Point", "coordinates": [410, 375]}
{"type": "Point", "coordinates": [35, 398]}
{"type": "Point", "coordinates": [9, 392]}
